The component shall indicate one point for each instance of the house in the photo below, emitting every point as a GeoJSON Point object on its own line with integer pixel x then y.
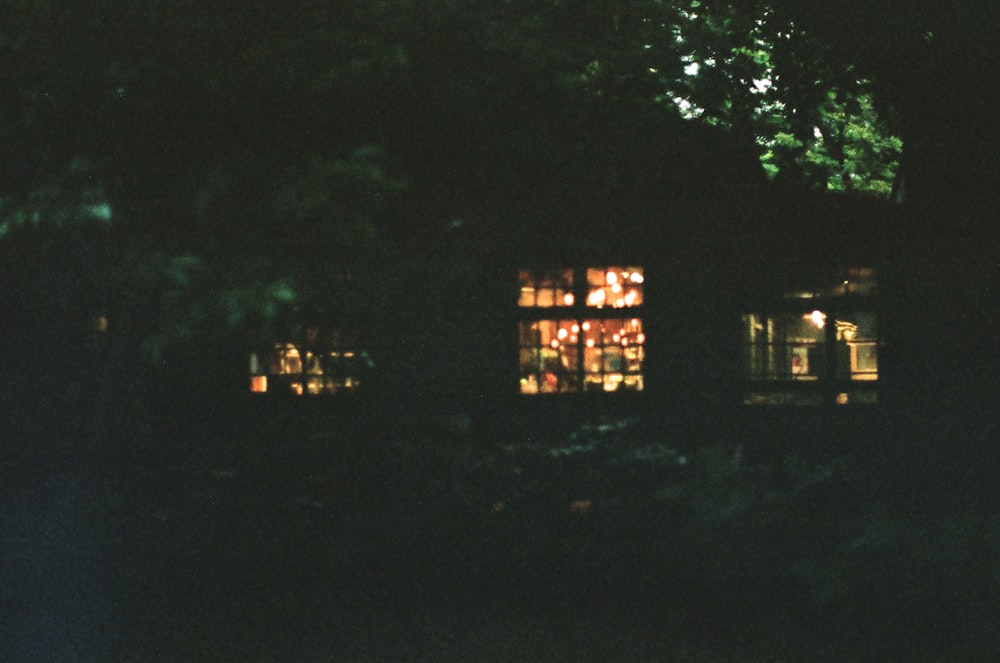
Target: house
{"type": "Point", "coordinates": [691, 291]}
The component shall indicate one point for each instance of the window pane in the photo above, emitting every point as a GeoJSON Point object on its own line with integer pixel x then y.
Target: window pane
{"type": "Point", "coordinates": [549, 354]}
{"type": "Point", "coordinates": [613, 353]}
{"type": "Point", "coordinates": [323, 362]}
{"type": "Point", "coordinates": [787, 346]}
{"type": "Point", "coordinates": [857, 347]}
{"type": "Point", "coordinates": [615, 287]}
{"type": "Point", "coordinates": [545, 288]}
{"type": "Point", "coordinates": [558, 356]}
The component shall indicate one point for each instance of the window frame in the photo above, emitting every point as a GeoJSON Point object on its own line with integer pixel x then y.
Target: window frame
{"type": "Point", "coordinates": [566, 336]}
{"type": "Point", "coordinates": [314, 361]}
{"type": "Point", "coordinates": [830, 383]}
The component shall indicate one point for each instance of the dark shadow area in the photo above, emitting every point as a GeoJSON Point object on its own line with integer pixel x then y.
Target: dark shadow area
{"type": "Point", "coordinates": [288, 535]}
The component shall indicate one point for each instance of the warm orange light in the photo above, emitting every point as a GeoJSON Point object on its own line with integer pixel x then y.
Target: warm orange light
{"type": "Point", "coordinates": [258, 384]}
{"type": "Point", "coordinates": [818, 318]}
{"type": "Point", "coordinates": [630, 297]}
{"type": "Point", "coordinates": [611, 278]}
{"type": "Point", "coordinates": [616, 338]}
{"type": "Point", "coordinates": [640, 338]}
{"type": "Point", "coordinates": [624, 341]}
{"type": "Point", "coordinates": [575, 329]}
{"type": "Point", "coordinates": [568, 299]}
{"type": "Point", "coordinates": [616, 288]}
{"type": "Point", "coordinates": [562, 334]}
{"type": "Point", "coordinates": [590, 342]}
{"type": "Point", "coordinates": [554, 343]}
{"type": "Point", "coordinates": [596, 298]}
{"type": "Point", "coordinates": [635, 277]}
{"type": "Point", "coordinates": [586, 326]}
{"type": "Point", "coordinates": [619, 303]}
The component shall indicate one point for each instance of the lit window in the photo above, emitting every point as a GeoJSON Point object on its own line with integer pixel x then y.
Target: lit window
{"type": "Point", "coordinates": [322, 362]}
{"type": "Point", "coordinates": [822, 350]}
{"type": "Point", "coordinates": [583, 350]}
{"type": "Point", "coordinates": [615, 287]}
{"type": "Point", "coordinates": [546, 288]}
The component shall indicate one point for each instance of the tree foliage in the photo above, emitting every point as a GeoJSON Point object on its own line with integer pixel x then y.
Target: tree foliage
{"type": "Point", "coordinates": [239, 158]}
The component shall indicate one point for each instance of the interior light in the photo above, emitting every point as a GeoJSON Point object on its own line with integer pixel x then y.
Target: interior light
{"type": "Point", "coordinates": [619, 303]}
{"type": "Point", "coordinates": [568, 299]}
{"type": "Point", "coordinates": [585, 326]}
{"type": "Point", "coordinates": [818, 318]}
{"type": "Point", "coordinates": [636, 277]}
{"type": "Point", "coordinates": [590, 342]}
{"type": "Point", "coordinates": [616, 288]}
{"type": "Point", "coordinates": [562, 333]}
{"type": "Point", "coordinates": [575, 329]}
{"type": "Point", "coordinates": [596, 298]}
{"type": "Point", "coordinates": [612, 278]}
{"type": "Point", "coordinates": [630, 297]}
{"type": "Point", "coordinates": [554, 343]}
{"type": "Point", "coordinates": [640, 338]}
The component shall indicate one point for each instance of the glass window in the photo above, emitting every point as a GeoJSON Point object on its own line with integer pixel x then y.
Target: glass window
{"type": "Point", "coordinates": [322, 362]}
{"type": "Point", "coordinates": [787, 346]}
{"type": "Point", "coordinates": [615, 287]}
{"type": "Point", "coordinates": [831, 342]}
{"type": "Point", "coordinates": [857, 346]}
{"type": "Point", "coordinates": [570, 355]}
{"type": "Point", "coordinates": [546, 288]}
{"type": "Point", "coordinates": [591, 345]}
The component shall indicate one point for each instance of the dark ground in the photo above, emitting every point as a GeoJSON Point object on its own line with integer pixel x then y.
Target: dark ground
{"type": "Point", "coordinates": [332, 548]}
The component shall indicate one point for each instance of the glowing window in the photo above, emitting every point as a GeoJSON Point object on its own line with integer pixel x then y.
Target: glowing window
{"type": "Point", "coordinates": [591, 344]}
{"type": "Point", "coordinates": [572, 355]}
{"type": "Point", "coordinates": [546, 288]}
{"type": "Point", "coordinates": [320, 362]}
{"type": "Point", "coordinates": [819, 351]}
{"type": "Point", "coordinates": [614, 287]}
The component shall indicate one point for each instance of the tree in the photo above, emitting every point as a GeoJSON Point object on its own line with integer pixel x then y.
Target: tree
{"type": "Point", "coordinates": [187, 149]}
